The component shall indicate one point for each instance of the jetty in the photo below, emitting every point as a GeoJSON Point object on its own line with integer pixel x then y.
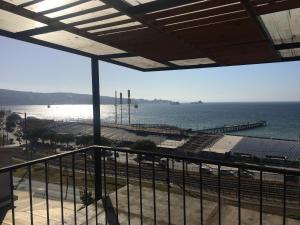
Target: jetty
{"type": "Point", "coordinates": [235, 128]}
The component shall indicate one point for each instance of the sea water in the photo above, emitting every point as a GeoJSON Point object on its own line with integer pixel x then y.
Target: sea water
{"type": "Point", "coordinates": [283, 119]}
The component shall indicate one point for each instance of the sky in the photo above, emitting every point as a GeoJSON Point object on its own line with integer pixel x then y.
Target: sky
{"type": "Point", "coordinates": [29, 67]}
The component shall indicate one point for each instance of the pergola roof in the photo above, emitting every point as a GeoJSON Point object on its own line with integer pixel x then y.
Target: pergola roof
{"type": "Point", "coordinates": [151, 35]}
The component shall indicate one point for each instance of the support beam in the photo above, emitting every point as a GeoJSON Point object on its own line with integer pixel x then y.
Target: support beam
{"type": "Point", "coordinates": [157, 5]}
{"type": "Point", "coordinates": [96, 101]}
{"type": "Point", "coordinates": [256, 19]}
{"type": "Point", "coordinates": [126, 9]}
{"type": "Point", "coordinates": [97, 128]}
{"type": "Point", "coordinates": [287, 46]}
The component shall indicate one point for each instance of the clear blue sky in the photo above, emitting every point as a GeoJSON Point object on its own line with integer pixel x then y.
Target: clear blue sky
{"type": "Point", "coordinates": [31, 67]}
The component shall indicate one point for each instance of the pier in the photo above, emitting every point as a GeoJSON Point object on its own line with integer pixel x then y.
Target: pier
{"type": "Point", "coordinates": [235, 128]}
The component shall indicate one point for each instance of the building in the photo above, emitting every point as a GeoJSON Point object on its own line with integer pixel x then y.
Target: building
{"type": "Point", "coordinates": [5, 193]}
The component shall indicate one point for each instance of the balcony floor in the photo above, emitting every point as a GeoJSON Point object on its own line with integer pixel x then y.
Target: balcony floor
{"type": "Point", "coordinates": [210, 211]}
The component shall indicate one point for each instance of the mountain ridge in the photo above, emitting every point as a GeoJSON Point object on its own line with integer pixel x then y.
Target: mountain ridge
{"type": "Point", "coordinates": [13, 97]}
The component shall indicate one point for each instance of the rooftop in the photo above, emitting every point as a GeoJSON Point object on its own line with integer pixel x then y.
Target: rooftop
{"type": "Point", "coordinates": [150, 35]}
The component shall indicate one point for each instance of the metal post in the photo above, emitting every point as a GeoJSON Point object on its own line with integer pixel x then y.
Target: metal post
{"type": "Point", "coordinates": [25, 130]}
{"type": "Point", "coordinates": [129, 103]}
{"type": "Point", "coordinates": [121, 103]}
{"type": "Point", "coordinates": [116, 107]}
{"type": "Point", "coordinates": [96, 124]}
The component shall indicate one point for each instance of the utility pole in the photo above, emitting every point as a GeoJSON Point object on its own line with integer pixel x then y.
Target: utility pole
{"type": "Point", "coordinates": [116, 107]}
{"type": "Point", "coordinates": [25, 130]}
{"type": "Point", "coordinates": [121, 103]}
{"type": "Point", "coordinates": [129, 102]}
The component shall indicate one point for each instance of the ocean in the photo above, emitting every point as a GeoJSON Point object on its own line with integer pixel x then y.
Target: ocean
{"type": "Point", "coordinates": [283, 119]}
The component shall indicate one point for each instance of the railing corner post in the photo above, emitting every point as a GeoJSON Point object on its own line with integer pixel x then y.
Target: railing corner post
{"type": "Point", "coordinates": [98, 178]}
{"type": "Point", "coordinates": [96, 126]}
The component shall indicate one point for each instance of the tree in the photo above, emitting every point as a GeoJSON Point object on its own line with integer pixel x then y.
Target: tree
{"type": "Point", "coordinates": [84, 140]}
{"type": "Point", "coordinates": [19, 135]}
{"type": "Point", "coordinates": [51, 136]}
{"type": "Point", "coordinates": [11, 121]}
{"type": "Point", "coordinates": [2, 115]}
{"type": "Point", "coordinates": [68, 138]}
{"type": "Point", "coordinates": [33, 136]}
{"type": "Point", "coordinates": [146, 145]}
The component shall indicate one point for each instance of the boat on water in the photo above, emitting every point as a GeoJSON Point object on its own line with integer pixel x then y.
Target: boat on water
{"type": "Point", "coordinates": [136, 106]}
{"type": "Point", "coordinates": [48, 106]}
{"type": "Point", "coordinates": [199, 102]}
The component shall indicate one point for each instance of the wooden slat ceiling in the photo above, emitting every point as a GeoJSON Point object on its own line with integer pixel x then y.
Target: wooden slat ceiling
{"type": "Point", "coordinates": [151, 35]}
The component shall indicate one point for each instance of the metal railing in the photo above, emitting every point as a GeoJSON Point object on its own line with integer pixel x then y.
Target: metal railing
{"type": "Point", "coordinates": [151, 186]}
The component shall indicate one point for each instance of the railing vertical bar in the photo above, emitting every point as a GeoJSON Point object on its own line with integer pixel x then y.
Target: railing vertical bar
{"type": "Point", "coordinates": [128, 191]}
{"type": "Point", "coordinates": [103, 153]}
{"type": "Point", "coordinates": [104, 185]}
{"type": "Point", "coordinates": [30, 194]}
{"type": "Point", "coordinates": [96, 184]}
{"type": "Point", "coordinates": [239, 195]}
{"type": "Point", "coordinates": [168, 188]}
{"type": "Point", "coordinates": [47, 191]}
{"type": "Point", "coordinates": [74, 188]}
{"type": "Point", "coordinates": [141, 190]}
{"type": "Point", "coordinates": [260, 197]}
{"type": "Point", "coordinates": [201, 193]}
{"type": "Point", "coordinates": [284, 200]}
{"type": "Point", "coordinates": [85, 190]}
{"type": "Point", "coordinates": [153, 189]}
{"type": "Point", "coordinates": [116, 185]}
{"type": "Point", "coordinates": [12, 197]}
{"type": "Point", "coordinates": [183, 190]}
{"type": "Point", "coordinates": [219, 193]}
{"type": "Point", "coordinates": [61, 191]}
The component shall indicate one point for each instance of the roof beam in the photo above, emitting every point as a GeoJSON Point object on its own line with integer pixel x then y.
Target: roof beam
{"type": "Point", "coordinates": [66, 6]}
{"type": "Point", "coordinates": [52, 24]}
{"type": "Point", "coordinates": [287, 46]}
{"type": "Point", "coordinates": [62, 48]}
{"type": "Point", "coordinates": [157, 5]}
{"type": "Point", "coordinates": [82, 12]}
{"type": "Point", "coordinates": [260, 25]}
{"type": "Point", "coordinates": [118, 30]}
{"type": "Point", "coordinates": [57, 25]}
{"type": "Point", "coordinates": [126, 9]}
{"type": "Point", "coordinates": [106, 25]}
{"type": "Point", "coordinates": [105, 58]}
{"type": "Point", "coordinates": [176, 67]}
{"type": "Point", "coordinates": [43, 43]}
{"type": "Point", "coordinates": [291, 59]}
{"type": "Point", "coordinates": [201, 5]}
{"type": "Point", "coordinates": [29, 3]}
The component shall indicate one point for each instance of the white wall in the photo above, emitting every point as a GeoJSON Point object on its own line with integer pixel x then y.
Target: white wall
{"type": "Point", "coordinates": [5, 160]}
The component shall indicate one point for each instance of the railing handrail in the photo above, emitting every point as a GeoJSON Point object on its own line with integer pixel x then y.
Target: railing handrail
{"type": "Point", "coordinates": [44, 159]}
{"type": "Point", "coordinates": [272, 169]}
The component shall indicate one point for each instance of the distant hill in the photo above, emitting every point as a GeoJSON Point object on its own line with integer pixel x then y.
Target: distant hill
{"type": "Point", "coordinates": [11, 97]}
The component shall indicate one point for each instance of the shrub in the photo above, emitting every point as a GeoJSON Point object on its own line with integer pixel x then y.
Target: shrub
{"type": "Point", "coordinates": [86, 140]}
{"type": "Point", "coordinates": [86, 198]}
{"type": "Point", "coordinates": [146, 145]}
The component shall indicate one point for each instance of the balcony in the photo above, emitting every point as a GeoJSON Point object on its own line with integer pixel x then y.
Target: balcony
{"type": "Point", "coordinates": [138, 187]}
{"type": "Point", "coordinates": [100, 185]}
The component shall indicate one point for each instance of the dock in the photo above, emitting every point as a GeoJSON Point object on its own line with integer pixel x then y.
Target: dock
{"type": "Point", "coordinates": [235, 128]}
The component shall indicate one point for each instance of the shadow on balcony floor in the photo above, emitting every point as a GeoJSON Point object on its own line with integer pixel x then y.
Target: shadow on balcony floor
{"type": "Point", "coordinates": [210, 210]}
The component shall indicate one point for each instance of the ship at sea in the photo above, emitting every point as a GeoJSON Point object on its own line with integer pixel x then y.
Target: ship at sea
{"type": "Point", "coordinates": [199, 102]}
